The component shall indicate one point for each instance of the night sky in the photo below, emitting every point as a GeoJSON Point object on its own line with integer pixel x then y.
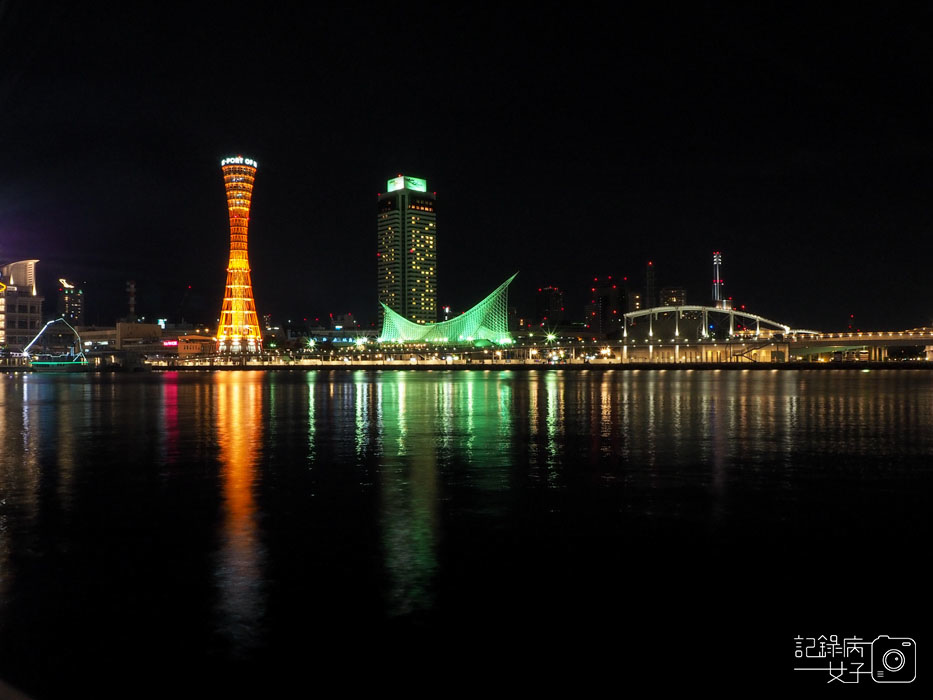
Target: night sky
{"type": "Point", "coordinates": [563, 141]}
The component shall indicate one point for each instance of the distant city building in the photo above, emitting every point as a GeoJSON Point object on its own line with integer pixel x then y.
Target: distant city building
{"type": "Point", "coordinates": [131, 301]}
{"type": "Point", "coordinates": [607, 306]}
{"type": "Point", "coordinates": [591, 317]}
{"type": "Point", "coordinates": [20, 304]}
{"type": "Point", "coordinates": [651, 299]}
{"type": "Point", "coordinates": [406, 250]}
{"type": "Point", "coordinates": [343, 321]}
{"type": "Point", "coordinates": [635, 301]}
{"type": "Point", "coordinates": [673, 296]}
{"type": "Point", "coordinates": [70, 302]}
{"type": "Point", "coordinates": [549, 306]}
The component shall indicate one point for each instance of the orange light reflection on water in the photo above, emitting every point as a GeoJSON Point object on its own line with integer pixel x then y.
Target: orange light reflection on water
{"type": "Point", "coordinates": [238, 420]}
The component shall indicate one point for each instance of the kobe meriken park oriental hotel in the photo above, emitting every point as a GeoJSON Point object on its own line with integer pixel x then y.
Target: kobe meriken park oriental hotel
{"type": "Point", "coordinates": [406, 249]}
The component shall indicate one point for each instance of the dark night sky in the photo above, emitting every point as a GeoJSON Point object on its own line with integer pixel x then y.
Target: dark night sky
{"type": "Point", "coordinates": [564, 141]}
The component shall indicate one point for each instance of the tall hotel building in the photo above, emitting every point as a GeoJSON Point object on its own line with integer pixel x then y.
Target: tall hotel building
{"type": "Point", "coordinates": [407, 249]}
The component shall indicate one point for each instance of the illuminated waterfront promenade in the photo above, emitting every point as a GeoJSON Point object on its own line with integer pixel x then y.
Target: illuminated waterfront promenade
{"type": "Point", "coordinates": [825, 350]}
{"type": "Point", "coordinates": [744, 348]}
{"type": "Point", "coordinates": [813, 350]}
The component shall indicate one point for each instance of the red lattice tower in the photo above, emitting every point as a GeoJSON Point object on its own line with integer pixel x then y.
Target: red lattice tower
{"type": "Point", "coordinates": [238, 331]}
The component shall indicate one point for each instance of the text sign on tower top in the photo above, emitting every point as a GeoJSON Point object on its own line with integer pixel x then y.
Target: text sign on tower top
{"type": "Point", "coordinates": [239, 160]}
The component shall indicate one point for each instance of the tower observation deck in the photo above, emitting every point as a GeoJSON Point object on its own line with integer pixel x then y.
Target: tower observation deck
{"type": "Point", "coordinates": [238, 330]}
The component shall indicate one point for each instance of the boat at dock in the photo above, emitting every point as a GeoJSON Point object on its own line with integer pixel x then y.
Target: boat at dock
{"type": "Point", "coordinates": [45, 363]}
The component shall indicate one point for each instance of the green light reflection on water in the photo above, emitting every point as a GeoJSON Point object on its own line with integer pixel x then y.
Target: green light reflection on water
{"type": "Point", "coordinates": [361, 438]}
{"type": "Point", "coordinates": [504, 396]}
{"type": "Point", "coordinates": [408, 483]}
{"type": "Point", "coordinates": [311, 379]}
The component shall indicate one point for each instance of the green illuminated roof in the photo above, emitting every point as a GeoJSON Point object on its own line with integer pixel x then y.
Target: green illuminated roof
{"type": "Point", "coordinates": [487, 322]}
{"type": "Point", "coordinates": [404, 182]}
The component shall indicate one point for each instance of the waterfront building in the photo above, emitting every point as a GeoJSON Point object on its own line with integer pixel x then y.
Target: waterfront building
{"type": "Point", "coordinates": [185, 346]}
{"type": "Point", "coordinates": [238, 330]}
{"type": "Point", "coordinates": [20, 304]}
{"type": "Point", "coordinates": [21, 275]}
{"type": "Point", "coordinates": [484, 324]}
{"type": "Point", "coordinates": [406, 250]}
{"type": "Point", "coordinates": [124, 335]}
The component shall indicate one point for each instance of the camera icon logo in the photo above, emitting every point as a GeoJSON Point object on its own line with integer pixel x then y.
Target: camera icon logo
{"type": "Point", "coordinates": [893, 659]}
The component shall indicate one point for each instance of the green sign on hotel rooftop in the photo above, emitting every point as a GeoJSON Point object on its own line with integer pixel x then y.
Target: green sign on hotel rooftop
{"type": "Point", "coordinates": [404, 182]}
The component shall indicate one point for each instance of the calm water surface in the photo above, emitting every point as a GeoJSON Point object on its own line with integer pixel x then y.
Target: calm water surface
{"type": "Point", "coordinates": [256, 528]}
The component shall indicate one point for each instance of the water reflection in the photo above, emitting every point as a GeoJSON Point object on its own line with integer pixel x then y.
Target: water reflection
{"type": "Point", "coordinates": [505, 408]}
{"type": "Point", "coordinates": [312, 417]}
{"type": "Point", "coordinates": [361, 422]}
{"type": "Point", "coordinates": [553, 421]}
{"type": "Point", "coordinates": [409, 492]}
{"type": "Point", "coordinates": [8, 457]}
{"type": "Point", "coordinates": [239, 430]}
{"type": "Point", "coordinates": [420, 481]}
{"type": "Point", "coordinates": [35, 421]}
{"type": "Point", "coordinates": [168, 419]}
{"type": "Point", "coordinates": [466, 411]}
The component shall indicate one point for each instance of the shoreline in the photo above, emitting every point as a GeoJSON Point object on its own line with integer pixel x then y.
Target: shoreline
{"type": "Point", "coordinates": [628, 367]}
{"type": "Point", "coordinates": [519, 366]}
